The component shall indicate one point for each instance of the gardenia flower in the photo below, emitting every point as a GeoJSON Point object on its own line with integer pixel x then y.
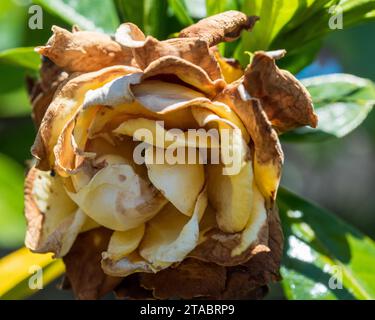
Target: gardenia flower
{"type": "Point", "coordinates": [159, 229]}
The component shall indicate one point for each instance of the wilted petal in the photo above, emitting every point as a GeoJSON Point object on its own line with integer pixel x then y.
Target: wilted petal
{"type": "Point", "coordinates": [118, 198]}
{"type": "Point", "coordinates": [186, 72]}
{"type": "Point", "coordinates": [226, 26]}
{"type": "Point", "coordinates": [170, 236]}
{"type": "Point", "coordinates": [63, 108]}
{"type": "Point", "coordinates": [230, 68]}
{"type": "Point", "coordinates": [53, 220]}
{"type": "Point", "coordinates": [237, 248]}
{"type": "Point", "coordinates": [41, 92]}
{"type": "Point", "coordinates": [285, 100]}
{"type": "Point", "coordinates": [84, 51]}
{"type": "Point", "coordinates": [179, 183]}
{"type": "Point", "coordinates": [129, 35]}
{"type": "Point", "coordinates": [83, 268]}
{"type": "Point", "coordinates": [123, 243]}
{"type": "Point", "coordinates": [190, 279]}
{"type": "Point", "coordinates": [268, 155]}
{"type": "Point", "coordinates": [231, 196]}
{"type": "Point", "coordinates": [194, 50]}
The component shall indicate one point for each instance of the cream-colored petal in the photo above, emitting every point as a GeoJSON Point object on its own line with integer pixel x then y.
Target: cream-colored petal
{"type": "Point", "coordinates": [231, 196]}
{"type": "Point", "coordinates": [154, 133]}
{"type": "Point", "coordinates": [53, 220]}
{"type": "Point", "coordinates": [123, 243]}
{"type": "Point", "coordinates": [129, 35]}
{"type": "Point", "coordinates": [170, 236]}
{"type": "Point", "coordinates": [233, 148]}
{"type": "Point", "coordinates": [118, 198]}
{"type": "Point", "coordinates": [64, 107]}
{"type": "Point", "coordinates": [113, 93]}
{"type": "Point", "coordinates": [232, 249]}
{"type": "Point", "coordinates": [179, 183]}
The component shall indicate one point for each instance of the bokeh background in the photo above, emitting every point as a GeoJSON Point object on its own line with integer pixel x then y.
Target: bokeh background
{"type": "Point", "coordinates": [337, 174]}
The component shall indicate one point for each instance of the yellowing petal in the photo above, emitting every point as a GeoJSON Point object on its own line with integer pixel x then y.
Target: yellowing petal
{"type": "Point", "coordinates": [123, 243]}
{"type": "Point", "coordinates": [231, 196]}
{"type": "Point", "coordinates": [179, 183]}
{"type": "Point", "coordinates": [170, 236]}
{"type": "Point", "coordinates": [118, 198]}
{"type": "Point", "coordinates": [53, 221]}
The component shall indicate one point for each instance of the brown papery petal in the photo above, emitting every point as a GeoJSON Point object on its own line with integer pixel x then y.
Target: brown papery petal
{"type": "Point", "coordinates": [268, 154]}
{"type": "Point", "coordinates": [192, 278]}
{"type": "Point", "coordinates": [83, 267]}
{"type": "Point", "coordinates": [285, 100]}
{"type": "Point", "coordinates": [53, 221]}
{"type": "Point", "coordinates": [193, 50]}
{"type": "Point", "coordinates": [84, 51]}
{"type": "Point", "coordinates": [226, 26]}
{"type": "Point", "coordinates": [67, 100]}
{"type": "Point", "coordinates": [250, 280]}
{"type": "Point", "coordinates": [42, 92]}
{"type": "Point", "coordinates": [186, 72]}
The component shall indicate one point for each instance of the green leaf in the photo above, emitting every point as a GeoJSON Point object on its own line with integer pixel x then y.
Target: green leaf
{"type": "Point", "coordinates": [322, 252]}
{"type": "Point", "coordinates": [12, 221]}
{"type": "Point", "coordinates": [96, 15]}
{"type": "Point", "coordinates": [131, 11]}
{"type": "Point", "coordinates": [155, 18]}
{"type": "Point", "coordinates": [342, 103]}
{"type": "Point", "coordinates": [23, 57]}
{"type": "Point", "coordinates": [179, 9]}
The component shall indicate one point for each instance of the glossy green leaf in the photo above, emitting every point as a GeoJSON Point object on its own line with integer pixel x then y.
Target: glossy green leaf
{"type": "Point", "coordinates": [324, 258]}
{"type": "Point", "coordinates": [88, 14]}
{"type": "Point", "coordinates": [342, 103]}
{"type": "Point", "coordinates": [155, 18]}
{"type": "Point", "coordinates": [12, 221]}
{"type": "Point", "coordinates": [131, 11]}
{"type": "Point", "coordinates": [179, 9]}
{"type": "Point", "coordinates": [23, 57]}
{"type": "Point", "coordinates": [294, 25]}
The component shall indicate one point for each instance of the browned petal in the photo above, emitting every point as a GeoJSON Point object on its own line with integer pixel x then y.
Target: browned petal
{"type": "Point", "coordinates": [249, 281]}
{"type": "Point", "coordinates": [67, 100]}
{"type": "Point", "coordinates": [84, 51]}
{"type": "Point", "coordinates": [193, 50]}
{"type": "Point", "coordinates": [218, 247]}
{"type": "Point", "coordinates": [186, 72]}
{"type": "Point", "coordinates": [190, 279]}
{"type": "Point", "coordinates": [226, 26]}
{"type": "Point", "coordinates": [83, 267]}
{"type": "Point", "coordinates": [130, 288]}
{"type": "Point", "coordinates": [41, 92]}
{"type": "Point", "coordinates": [285, 100]}
{"type": "Point", "coordinates": [268, 154]}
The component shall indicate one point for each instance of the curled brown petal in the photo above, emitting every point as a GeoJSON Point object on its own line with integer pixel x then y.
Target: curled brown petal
{"type": "Point", "coordinates": [191, 278]}
{"type": "Point", "coordinates": [84, 51]}
{"type": "Point", "coordinates": [285, 100]}
{"type": "Point", "coordinates": [250, 280]}
{"type": "Point", "coordinates": [42, 92]}
{"type": "Point", "coordinates": [193, 50]}
{"type": "Point", "coordinates": [218, 247]}
{"type": "Point", "coordinates": [226, 26]}
{"type": "Point", "coordinates": [268, 155]}
{"type": "Point", "coordinates": [83, 268]}
{"type": "Point", "coordinates": [185, 71]}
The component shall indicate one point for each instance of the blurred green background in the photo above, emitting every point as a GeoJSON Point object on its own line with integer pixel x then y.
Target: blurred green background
{"type": "Point", "coordinates": [338, 174]}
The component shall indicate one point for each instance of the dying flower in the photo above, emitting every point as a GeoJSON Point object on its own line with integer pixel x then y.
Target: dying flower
{"type": "Point", "coordinates": [158, 229]}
